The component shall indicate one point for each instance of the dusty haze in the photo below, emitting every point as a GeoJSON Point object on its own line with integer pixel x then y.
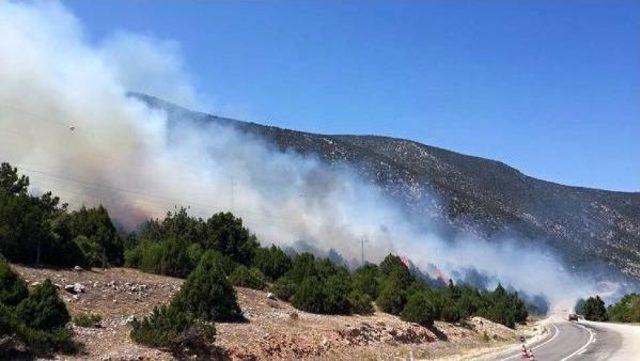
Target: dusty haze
{"type": "Point", "coordinates": [67, 122]}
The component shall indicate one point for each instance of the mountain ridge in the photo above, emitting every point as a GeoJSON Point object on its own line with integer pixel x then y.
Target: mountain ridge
{"type": "Point", "coordinates": [463, 193]}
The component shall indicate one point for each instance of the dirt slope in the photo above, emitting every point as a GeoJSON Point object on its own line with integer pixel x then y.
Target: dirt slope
{"type": "Point", "coordinates": [275, 331]}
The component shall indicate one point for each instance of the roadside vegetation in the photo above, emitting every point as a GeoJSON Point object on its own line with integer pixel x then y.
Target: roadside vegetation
{"type": "Point", "coordinates": [625, 310]}
{"type": "Point", "coordinates": [213, 254]}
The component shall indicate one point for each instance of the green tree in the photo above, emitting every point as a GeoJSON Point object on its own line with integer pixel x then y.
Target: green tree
{"type": "Point", "coordinates": [419, 309]}
{"type": "Point", "coordinates": [625, 310]}
{"type": "Point", "coordinates": [594, 309]}
{"type": "Point", "coordinates": [12, 288]}
{"type": "Point", "coordinates": [336, 289]}
{"type": "Point", "coordinates": [43, 309]}
{"type": "Point", "coordinates": [226, 234]}
{"type": "Point", "coordinates": [361, 303]}
{"type": "Point", "coordinates": [207, 294]}
{"type": "Point", "coordinates": [310, 296]}
{"type": "Point", "coordinates": [272, 261]}
{"type": "Point", "coordinates": [392, 297]}
{"type": "Point", "coordinates": [246, 277]}
{"type": "Point", "coordinates": [283, 288]}
{"type": "Point", "coordinates": [366, 279]}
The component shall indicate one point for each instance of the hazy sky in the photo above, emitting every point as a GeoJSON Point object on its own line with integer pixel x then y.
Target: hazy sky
{"type": "Point", "coordinates": [549, 87]}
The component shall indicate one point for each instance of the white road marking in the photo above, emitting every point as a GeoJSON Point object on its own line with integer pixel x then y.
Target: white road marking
{"type": "Point", "coordinates": [584, 347]}
{"type": "Point", "coordinates": [555, 334]}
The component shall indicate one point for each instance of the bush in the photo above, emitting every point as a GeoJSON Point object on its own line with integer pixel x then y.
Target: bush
{"type": "Point", "coordinates": [272, 261]}
{"type": "Point", "coordinates": [43, 309]}
{"type": "Point", "coordinates": [12, 288]}
{"type": "Point", "coordinates": [419, 310]}
{"type": "Point", "coordinates": [36, 340]}
{"type": "Point", "coordinates": [361, 303]}
{"type": "Point", "coordinates": [365, 279]}
{"type": "Point", "coordinates": [207, 294]}
{"type": "Point", "coordinates": [93, 254]}
{"type": "Point", "coordinates": [336, 289]}
{"type": "Point", "coordinates": [309, 296]}
{"type": "Point", "coordinates": [87, 320]}
{"type": "Point", "coordinates": [450, 313]}
{"type": "Point", "coordinates": [283, 288]}
{"type": "Point", "coordinates": [392, 297]}
{"type": "Point", "coordinates": [171, 329]}
{"type": "Point", "coordinates": [245, 277]}
{"type": "Point", "coordinates": [46, 341]}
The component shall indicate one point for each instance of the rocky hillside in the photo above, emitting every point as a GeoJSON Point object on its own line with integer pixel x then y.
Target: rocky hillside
{"type": "Point", "coordinates": [487, 197]}
{"type": "Point", "coordinates": [274, 330]}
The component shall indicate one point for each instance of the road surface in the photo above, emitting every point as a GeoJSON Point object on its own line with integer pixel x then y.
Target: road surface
{"type": "Point", "coordinates": [583, 341]}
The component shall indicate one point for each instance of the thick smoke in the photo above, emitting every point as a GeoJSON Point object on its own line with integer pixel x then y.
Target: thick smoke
{"type": "Point", "coordinates": [67, 122]}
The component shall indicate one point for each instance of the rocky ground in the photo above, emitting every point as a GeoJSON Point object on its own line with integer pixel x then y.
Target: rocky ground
{"type": "Point", "coordinates": [274, 331]}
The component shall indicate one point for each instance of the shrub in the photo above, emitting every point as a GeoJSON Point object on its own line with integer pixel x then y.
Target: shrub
{"type": "Point", "coordinates": [207, 294]}
{"type": "Point", "coordinates": [93, 254]}
{"type": "Point", "coordinates": [12, 288]}
{"type": "Point", "coordinates": [309, 296]}
{"type": "Point", "coordinates": [365, 280]}
{"type": "Point", "coordinates": [171, 329]}
{"type": "Point", "coordinates": [361, 303]}
{"type": "Point", "coordinates": [283, 288]}
{"type": "Point", "coordinates": [419, 310]}
{"type": "Point", "coordinates": [36, 340]}
{"type": "Point", "coordinates": [46, 341]}
{"type": "Point", "coordinates": [393, 265]}
{"type": "Point", "coordinates": [392, 297]}
{"type": "Point", "coordinates": [272, 261]}
{"type": "Point", "coordinates": [43, 309]}
{"type": "Point", "coordinates": [336, 289]}
{"type": "Point", "coordinates": [450, 313]}
{"type": "Point", "coordinates": [245, 277]}
{"type": "Point", "coordinates": [87, 320]}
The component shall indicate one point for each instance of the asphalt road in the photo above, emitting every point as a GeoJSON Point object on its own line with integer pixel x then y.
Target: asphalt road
{"type": "Point", "coordinates": [573, 341]}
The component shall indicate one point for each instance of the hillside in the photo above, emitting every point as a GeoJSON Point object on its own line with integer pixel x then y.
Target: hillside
{"type": "Point", "coordinates": [271, 332]}
{"type": "Point", "coordinates": [588, 227]}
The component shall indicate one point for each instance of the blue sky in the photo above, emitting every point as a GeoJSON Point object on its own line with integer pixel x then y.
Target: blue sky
{"type": "Point", "coordinates": [549, 87]}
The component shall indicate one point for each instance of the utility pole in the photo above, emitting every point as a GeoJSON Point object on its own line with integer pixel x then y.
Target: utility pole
{"type": "Point", "coordinates": [362, 241]}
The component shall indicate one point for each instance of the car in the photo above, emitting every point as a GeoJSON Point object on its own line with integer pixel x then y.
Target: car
{"type": "Point", "coordinates": [573, 317]}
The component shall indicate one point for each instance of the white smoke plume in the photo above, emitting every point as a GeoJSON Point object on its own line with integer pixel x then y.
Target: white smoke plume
{"type": "Point", "coordinates": [67, 122]}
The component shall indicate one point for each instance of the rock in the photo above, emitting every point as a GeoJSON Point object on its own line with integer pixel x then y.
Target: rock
{"type": "Point", "coordinates": [271, 296]}
{"type": "Point", "coordinates": [78, 269]}
{"type": "Point", "coordinates": [128, 320]}
{"type": "Point", "coordinates": [75, 288]}
{"type": "Point", "coordinates": [34, 284]}
{"type": "Point", "coordinates": [293, 315]}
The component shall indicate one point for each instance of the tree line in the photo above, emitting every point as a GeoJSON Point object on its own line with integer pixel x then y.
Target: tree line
{"type": "Point", "coordinates": [627, 309]}
{"type": "Point", "coordinates": [218, 253]}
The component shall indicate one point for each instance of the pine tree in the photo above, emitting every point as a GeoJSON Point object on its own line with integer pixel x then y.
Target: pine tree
{"type": "Point", "coordinates": [207, 294]}
{"type": "Point", "coordinates": [43, 309]}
